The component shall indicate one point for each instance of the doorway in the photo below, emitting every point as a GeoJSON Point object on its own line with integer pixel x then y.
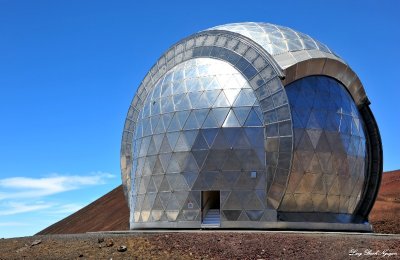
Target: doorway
{"type": "Point", "coordinates": [210, 207]}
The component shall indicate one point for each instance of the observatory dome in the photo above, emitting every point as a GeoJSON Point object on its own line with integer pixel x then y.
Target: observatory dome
{"type": "Point", "coordinates": [250, 125]}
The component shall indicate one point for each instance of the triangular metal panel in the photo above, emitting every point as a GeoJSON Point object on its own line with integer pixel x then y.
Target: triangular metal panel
{"type": "Point", "coordinates": [200, 115]}
{"type": "Point", "coordinates": [210, 121]}
{"type": "Point", "coordinates": [231, 120]}
{"type": "Point", "coordinates": [314, 135]}
{"type": "Point", "coordinates": [173, 138]}
{"type": "Point", "coordinates": [261, 181]}
{"type": "Point", "coordinates": [190, 178]}
{"type": "Point", "coordinates": [156, 215]}
{"type": "Point", "coordinates": [181, 197]}
{"type": "Point", "coordinates": [232, 202]}
{"type": "Point", "coordinates": [241, 140]}
{"type": "Point", "coordinates": [158, 180]}
{"type": "Point", "coordinates": [200, 157]}
{"type": "Point", "coordinates": [231, 94]}
{"type": "Point", "coordinates": [253, 202]}
{"type": "Point", "coordinates": [230, 178]}
{"type": "Point", "coordinates": [314, 165]}
{"type": "Point", "coordinates": [145, 214]}
{"type": "Point", "coordinates": [182, 117]}
{"type": "Point", "coordinates": [254, 215]}
{"type": "Point", "coordinates": [164, 186]}
{"type": "Point", "coordinates": [193, 85]}
{"type": "Point", "coordinates": [190, 164]}
{"type": "Point", "coordinates": [190, 215]}
{"type": "Point", "coordinates": [173, 203]}
{"type": "Point", "coordinates": [294, 180]}
{"type": "Point", "coordinates": [191, 122]}
{"type": "Point", "coordinates": [158, 204]}
{"type": "Point", "coordinates": [220, 115]}
{"type": "Point", "coordinates": [165, 147]}
{"type": "Point", "coordinates": [199, 183]}
{"type": "Point", "coordinates": [320, 202]}
{"type": "Point", "coordinates": [304, 158]}
{"type": "Point", "coordinates": [232, 162]}
{"type": "Point", "coordinates": [231, 135]}
{"type": "Point", "coordinates": [200, 143]}
{"type": "Point", "coordinates": [223, 194]}
{"type": "Point", "coordinates": [209, 178]}
{"type": "Point", "coordinates": [159, 128]}
{"type": "Point", "coordinates": [232, 215]}
{"type": "Point", "coordinates": [319, 186]}
{"type": "Point", "coordinates": [203, 102]}
{"type": "Point", "coordinates": [333, 203]}
{"type": "Point", "coordinates": [211, 95]}
{"type": "Point", "coordinates": [209, 135]}
{"type": "Point", "coordinates": [180, 158]}
{"type": "Point", "coordinates": [213, 84]}
{"type": "Point", "coordinates": [164, 197]}
{"type": "Point", "coordinates": [174, 124]}
{"type": "Point", "coordinates": [253, 119]}
{"type": "Point", "coordinates": [325, 161]}
{"type": "Point", "coordinates": [288, 203]}
{"type": "Point", "coordinates": [334, 189]}
{"type": "Point", "coordinates": [190, 137]}
{"type": "Point", "coordinates": [148, 201]}
{"type": "Point", "coordinates": [154, 122]}
{"type": "Point", "coordinates": [165, 159]}
{"type": "Point", "coordinates": [304, 201]}
{"type": "Point", "coordinates": [221, 101]}
{"type": "Point", "coordinates": [255, 135]}
{"type": "Point", "coordinates": [194, 97]}
{"type": "Point", "coordinates": [305, 143]}
{"type": "Point", "coordinates": [241, 113]}
{"type": "Point", "coordinates": [172, 214]}
{"type": "Point", "coordinates": [143, 184]}
{"type": "Point", "coordinates": [173, 167]}
{"type": "Point", "coordinates": [191, 202]}
{"type": "Point", "coordinates": [182, 144]}
{"type": "Point", "coordinates": [152, 147]}
{"type": "Point", "coordinates": [220, 142]}
{"type": "Point", "coordinates": [179, 183]}
{"type": "Point", "coordinates": [243, 216]}
{"type": "Point", "coordinates": [151, 187]}
{"type": "Point", "coordinates": [164, 217]}
{"type": "Point", "coordinates": [323, 144]}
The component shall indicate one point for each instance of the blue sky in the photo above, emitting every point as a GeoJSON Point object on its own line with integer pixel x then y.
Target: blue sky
{"type": "Point", "coordinates": [69, 69]}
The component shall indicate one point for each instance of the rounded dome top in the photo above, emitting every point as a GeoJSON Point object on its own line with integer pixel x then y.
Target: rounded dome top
{"type": "Point", "coordinates": [275, 39]}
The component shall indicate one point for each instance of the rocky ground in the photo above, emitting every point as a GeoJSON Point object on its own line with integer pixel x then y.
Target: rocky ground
{"type": "Point", "coordinates": [204, 245]}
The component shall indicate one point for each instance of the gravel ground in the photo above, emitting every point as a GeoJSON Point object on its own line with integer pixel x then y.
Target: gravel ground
{"type": "Point", "coordinates": [203, 245]}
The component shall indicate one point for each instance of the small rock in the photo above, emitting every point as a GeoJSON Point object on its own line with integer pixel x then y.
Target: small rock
{"type": "Point", "coordinates": [22, 248]}
{"type": "Point", "coordinates": [110, 243]}
{"type": "Point", "coordinates": [121, 249]}
{"type": "Point", "coordinates": [100, 246]}
{"type": "Point", "coordinates": [100, 240]}
{"type": "Point", "coordinates": [80, 255]}
{"type": "Point", "coordinates": [36, 242]}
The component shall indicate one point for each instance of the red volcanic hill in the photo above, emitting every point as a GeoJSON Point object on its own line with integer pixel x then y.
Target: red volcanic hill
{"type": "Point", "coordinates": [386, 211]}
{"type": "Point", "coordinates": [111, 212]}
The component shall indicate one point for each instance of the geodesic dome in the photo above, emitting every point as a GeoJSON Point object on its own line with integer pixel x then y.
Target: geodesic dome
{"type": "Point", "coordinates": [250, 125]}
